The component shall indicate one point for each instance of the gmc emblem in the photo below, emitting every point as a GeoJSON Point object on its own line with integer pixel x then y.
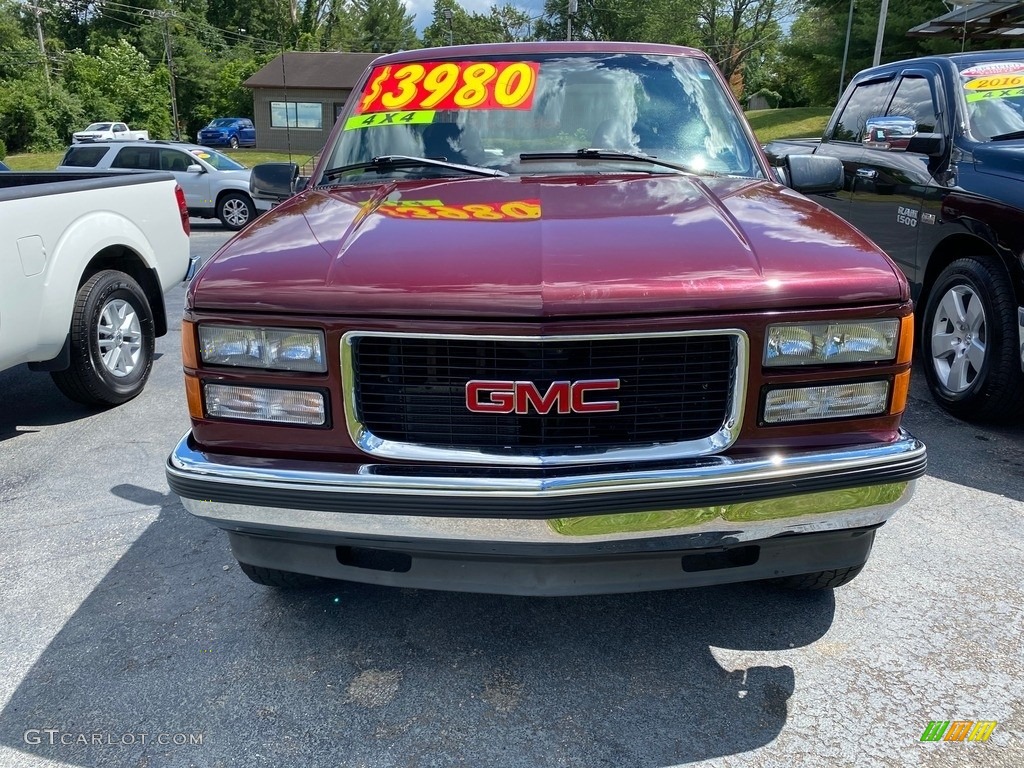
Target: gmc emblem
{"type": "Point", "coordinates": [520, 396]}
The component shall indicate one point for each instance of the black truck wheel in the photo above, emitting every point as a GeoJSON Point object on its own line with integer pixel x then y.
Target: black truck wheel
{"type": "Point", "coordinates": [969, 342]}
{"type": "Point", "coordinates": [271, 577]}
{"type": "Point", "coordinates": [112, 339]}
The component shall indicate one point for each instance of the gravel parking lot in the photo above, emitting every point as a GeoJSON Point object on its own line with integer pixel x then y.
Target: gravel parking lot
{"type": "Point", "coordinates": [130, 637]}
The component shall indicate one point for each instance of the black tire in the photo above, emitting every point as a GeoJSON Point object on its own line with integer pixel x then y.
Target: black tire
{"type": "Point", "coordinates": [235, 210]}
{"type": "Point", "coordinates": [820, 579]}
{"type": "Point", "coordinates": [233, 142]}
{"type": "Point", "coordinates": [271, 577]}
{"type": "Point", "coordinates": [994, 387]}
{"type": "Point", "coordinates": [108, 298]}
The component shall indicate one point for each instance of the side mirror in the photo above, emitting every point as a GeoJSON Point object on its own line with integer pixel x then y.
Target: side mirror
{"type": "Point", "coordinates": [814, 173]}
{"type": "Point", "coordinates": [273, 181]}
{"type": "Point", "coordinates": [195, 168]}
{"type": "Point", "coordinates": [892, 133]}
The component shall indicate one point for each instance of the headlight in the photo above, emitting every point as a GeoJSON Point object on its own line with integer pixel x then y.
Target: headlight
{"type": "Point", "coordinates": [280, 349]}
{"type": "Point", "coordinates": [855, 341]}
{"type": "Point", "coordinates": [834, 401]}
{"type": "Point", "coordinates": [283, 406]}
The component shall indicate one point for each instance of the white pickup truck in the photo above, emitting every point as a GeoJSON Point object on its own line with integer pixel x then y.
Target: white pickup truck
{"type": "Point", "coordinates": [85, 259]}
{"type": "Point", "coordinates": [108, 131]}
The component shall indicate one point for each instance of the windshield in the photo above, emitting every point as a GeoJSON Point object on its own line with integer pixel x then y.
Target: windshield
{"type": "Point", "coordinates": [490, 112]}
{"type": "Point", "coordinates": [995, 98]}
{"type": "Point", "coordinates": [98, 127]}
{"type": "Point", "coordinates": [221, 122]}
{"type": "Point", "coordinates": [217, 160]}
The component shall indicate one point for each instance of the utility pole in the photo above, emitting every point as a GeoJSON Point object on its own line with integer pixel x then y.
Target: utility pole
{"type": "Point", "coordinates": [881, 31]}
{"type": "Point", "coordinates": [568, 19]}
{"type": "Point", "coordinates": [846, 49]}
{"type": "Point", "coordinates": [166, 16]}
{"type": "Point", "coordinates": [38, 12]}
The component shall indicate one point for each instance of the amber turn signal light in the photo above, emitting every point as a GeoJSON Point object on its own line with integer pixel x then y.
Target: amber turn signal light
{"type": "Point", "coordinates": [194, 394]}
{"type": "Point", "coordinates": [189, 354]}
{"type": "Point", "coordinates": [906, 349]}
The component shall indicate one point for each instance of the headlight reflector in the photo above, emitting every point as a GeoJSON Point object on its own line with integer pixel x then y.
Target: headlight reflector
{"type": "Point", "coordinates": [834, 401]}
{"type": "Point", "coordinates": [856, 341]}
{"type": "Point", "coordinates": [281, 349]}
{"type": "Point", "coordinates": [283, 406]}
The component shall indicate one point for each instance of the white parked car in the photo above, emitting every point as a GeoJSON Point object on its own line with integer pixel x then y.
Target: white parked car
{"type": "Point", "coordinates": [215, 185]}
{"type": "Point", "coordinates": [109, 131]}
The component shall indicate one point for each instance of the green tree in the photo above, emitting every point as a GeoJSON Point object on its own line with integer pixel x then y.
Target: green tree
{"type": "Point", "coordinates": [814, 50]}
{"type": "Point", "coordinates": [501, 24]}
{"type": "Point", "coordinates": [664, 21]}
{"type": "Point", "coordinates": [383, 26]}
{"type": "Point", "coordinates": [120, 84]}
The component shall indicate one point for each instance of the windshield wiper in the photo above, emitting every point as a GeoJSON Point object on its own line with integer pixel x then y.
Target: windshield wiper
{"type": "Point", "coordinates": [593, 153]}
{"type": "Point", "coordinates": [399, 162]}
{"type": "Point", "coordinates": [1007, 136]}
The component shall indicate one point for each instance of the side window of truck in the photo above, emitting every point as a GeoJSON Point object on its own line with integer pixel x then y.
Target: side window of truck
{"type": "Point", "coordinates": [867, 100]}
{"type": "Point", "coordinates": [914, 99]}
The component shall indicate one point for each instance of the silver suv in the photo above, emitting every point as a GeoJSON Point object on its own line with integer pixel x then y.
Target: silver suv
{"type": "Point", "coordinates": [215, 186]}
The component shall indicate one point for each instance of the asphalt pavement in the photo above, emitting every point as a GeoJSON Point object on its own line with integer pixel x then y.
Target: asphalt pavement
{"type": "Point", "coordinates": [129, 637]}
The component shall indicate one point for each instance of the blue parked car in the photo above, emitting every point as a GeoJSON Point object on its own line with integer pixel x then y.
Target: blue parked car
{"type": "Point", "coordinates": [231, 132]}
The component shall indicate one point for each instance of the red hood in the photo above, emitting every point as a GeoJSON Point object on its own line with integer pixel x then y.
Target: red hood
{"type": "Point", "coordinates": [601, 245]}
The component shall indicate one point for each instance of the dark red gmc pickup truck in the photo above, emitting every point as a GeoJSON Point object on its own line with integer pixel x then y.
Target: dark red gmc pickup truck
{"type": "Point", "coordinates": [543, 321]}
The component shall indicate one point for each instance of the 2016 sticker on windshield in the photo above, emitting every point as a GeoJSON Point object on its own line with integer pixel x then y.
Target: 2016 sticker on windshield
{"type": "Point", "coordinates": [995, 83]}
{"type": "Point", "coordinates": [449, 85]}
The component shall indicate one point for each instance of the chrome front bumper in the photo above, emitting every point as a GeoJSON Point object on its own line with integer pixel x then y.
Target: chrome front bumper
{"type": "Point", "coordinates": [691, 504]}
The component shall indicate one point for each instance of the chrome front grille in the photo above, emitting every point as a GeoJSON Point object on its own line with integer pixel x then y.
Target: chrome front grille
{"type": "Point", "coordinates": [679, 394]}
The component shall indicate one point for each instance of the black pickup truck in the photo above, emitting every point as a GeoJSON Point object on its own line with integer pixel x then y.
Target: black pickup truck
{"type": "Point", "coordinates": [933, 153]}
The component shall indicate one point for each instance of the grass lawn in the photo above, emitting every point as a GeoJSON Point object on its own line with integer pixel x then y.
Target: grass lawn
{"type": "Point", "coordinates": [795, 123]}
{"type": "Point", "coordinates": [47, 161]}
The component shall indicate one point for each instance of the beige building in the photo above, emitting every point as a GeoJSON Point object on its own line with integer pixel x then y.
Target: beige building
{"type": "Point", "coordinates": [298, 96]}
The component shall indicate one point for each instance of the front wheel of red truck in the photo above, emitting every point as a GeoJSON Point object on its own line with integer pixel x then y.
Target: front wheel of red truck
{"type": "Point", "coordinates": [969, 342]}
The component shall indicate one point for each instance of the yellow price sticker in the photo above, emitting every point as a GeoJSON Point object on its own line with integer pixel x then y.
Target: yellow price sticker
{"type": "Point", "coordinates": [450, 85]}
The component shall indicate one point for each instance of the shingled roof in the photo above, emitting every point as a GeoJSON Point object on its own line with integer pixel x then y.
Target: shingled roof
{"type": "Point", "coordinates": [312, 70]}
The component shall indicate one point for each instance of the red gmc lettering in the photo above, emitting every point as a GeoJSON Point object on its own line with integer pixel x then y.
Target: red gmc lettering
{"type": "Point", "coordinates": [527, 394]}
{"type": "Point", "coordinates": [580, 388]}
{"type": "Point", "coordinates": [500, 397]}
{"type": "Point", "coordinates": [519, 396]}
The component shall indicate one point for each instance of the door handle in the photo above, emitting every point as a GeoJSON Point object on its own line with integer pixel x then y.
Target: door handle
{"type": "Point", "coordinates": [867, 173]}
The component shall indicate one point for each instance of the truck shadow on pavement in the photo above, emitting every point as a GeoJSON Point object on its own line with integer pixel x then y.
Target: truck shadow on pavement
{"type": "Point", "coordinates": [32, 400]}
{"type": "Point", "coordinates": [29, 399]}
{"type": "Point", "coordinates": [176, 641]}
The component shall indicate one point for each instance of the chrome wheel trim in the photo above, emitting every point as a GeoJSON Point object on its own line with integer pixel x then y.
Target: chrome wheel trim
{"type": "Point", "coordinates": [119, 337]}
{"type": "Point", "coordinates": [959, 338]}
